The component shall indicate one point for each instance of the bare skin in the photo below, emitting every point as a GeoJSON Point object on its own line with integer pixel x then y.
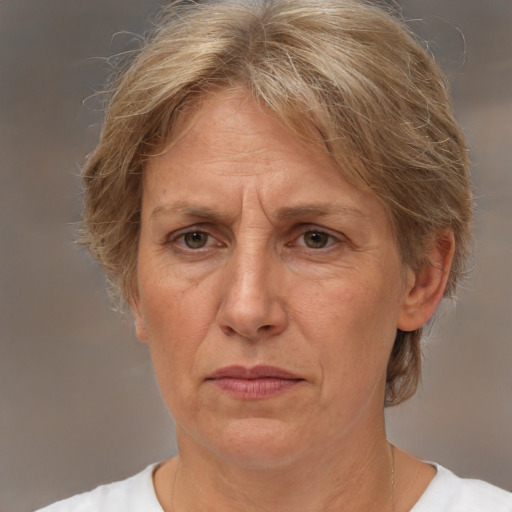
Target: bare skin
{"type": "Point", "coordinates": [269, 292]}
{"type": "Point", "coordinates": [412, 477]}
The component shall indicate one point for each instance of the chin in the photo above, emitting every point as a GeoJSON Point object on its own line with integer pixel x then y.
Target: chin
{"type": "Point", "coordinates": [258, 443]}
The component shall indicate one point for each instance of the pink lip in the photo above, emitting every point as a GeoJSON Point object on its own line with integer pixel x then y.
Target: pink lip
{"type": "Point", "coordinates": [254, 383]}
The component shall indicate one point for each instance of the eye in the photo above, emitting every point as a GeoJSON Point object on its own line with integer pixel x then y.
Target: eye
{"type": "Point", "coordinates": [317, 239]}
{"type": "Point", "coordinates": [311, 237]}
{"type": "Point", "coordinates": [195, 239]}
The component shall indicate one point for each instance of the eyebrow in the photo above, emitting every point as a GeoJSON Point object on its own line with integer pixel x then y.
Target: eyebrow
{"type": "Point", "coordinates": [190, 210]}
{"type": "Point", "coordinates": [286, 212]}
{"type": "Point", "coordinates": [318, 210]}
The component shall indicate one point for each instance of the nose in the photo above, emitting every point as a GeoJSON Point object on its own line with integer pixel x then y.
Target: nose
{"type": "Point", "coordinates": [253, 306]}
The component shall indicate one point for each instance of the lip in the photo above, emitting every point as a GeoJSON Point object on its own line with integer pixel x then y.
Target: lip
{"type": "Point", "coordinates": [254, 383]}
{"type": "Point", "coordinates": [256, 372]}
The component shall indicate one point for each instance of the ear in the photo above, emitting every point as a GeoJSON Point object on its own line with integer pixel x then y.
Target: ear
{"type": "Point", "coordinates": [138, 314]}
{"type": "Point", "coordinates": [425, 288]}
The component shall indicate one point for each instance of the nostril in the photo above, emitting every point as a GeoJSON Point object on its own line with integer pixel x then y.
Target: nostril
{"type": "Point", "coordinates": [251, 320]}
{"type": "Point", "coordinates": [229, 331]}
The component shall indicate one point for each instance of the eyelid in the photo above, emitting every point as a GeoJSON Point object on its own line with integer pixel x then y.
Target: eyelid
{"type": "Point", "coordinates": [306, 228]}
{"type": "Point", "coordinates": [174, 237]}
{"type": "Point", "coordinates": [216, 239]}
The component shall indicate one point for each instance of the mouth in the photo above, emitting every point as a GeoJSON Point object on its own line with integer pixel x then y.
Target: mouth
{"type": "Point", "coordinates": [254, 383]}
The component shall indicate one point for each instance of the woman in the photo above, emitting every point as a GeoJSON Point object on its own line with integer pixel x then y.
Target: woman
{"type": "Point", "coordinates": [281, 195]}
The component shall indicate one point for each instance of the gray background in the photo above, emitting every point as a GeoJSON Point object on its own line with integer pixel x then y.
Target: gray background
{"type": "Point", "coordinates": [78, 402]}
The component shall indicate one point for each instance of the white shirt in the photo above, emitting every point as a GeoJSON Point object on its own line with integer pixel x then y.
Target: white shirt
{"type": "Point", "coordinates": [446, 493]}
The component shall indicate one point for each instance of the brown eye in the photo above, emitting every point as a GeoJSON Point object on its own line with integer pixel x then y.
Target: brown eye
{"type": "Point", "coordinates": [316, 239]}
{"type": "Point", "coordinates": [195, 239]}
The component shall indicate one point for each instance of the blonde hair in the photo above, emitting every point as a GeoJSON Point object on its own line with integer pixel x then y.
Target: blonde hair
{"type": "Point", "coordinates": [344, 69]}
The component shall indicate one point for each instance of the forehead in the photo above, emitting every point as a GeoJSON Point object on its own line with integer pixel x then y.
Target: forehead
{"type": "Point", "coordinates": [233, 123]}
{"type": "Point", "coordinates": [229, 147]}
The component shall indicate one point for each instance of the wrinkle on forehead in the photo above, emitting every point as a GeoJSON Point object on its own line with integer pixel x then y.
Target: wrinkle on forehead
{"type": "Point", "coordinates": [231, 137]}
{"type": "Point", "coordinates": [235, 120]}
{"type": "Point", "coordinates": [302, 210]}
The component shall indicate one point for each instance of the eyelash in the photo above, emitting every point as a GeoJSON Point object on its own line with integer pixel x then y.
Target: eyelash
{"type": "Point", "coordinates": [328, 238]}
{"type": "Point", "coordinates": [177, 240]}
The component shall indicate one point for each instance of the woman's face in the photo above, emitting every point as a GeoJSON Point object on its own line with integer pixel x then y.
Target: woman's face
{"type": "Point", "coordinates": [269, 289]}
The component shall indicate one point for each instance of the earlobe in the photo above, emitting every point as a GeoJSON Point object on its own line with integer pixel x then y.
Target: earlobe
{"type": "Point", "coordinates": [140, 330]}
{"type": "Point", "coordinates": [140, 324]}
{"type": "Point", "coordinates": [425, 288]}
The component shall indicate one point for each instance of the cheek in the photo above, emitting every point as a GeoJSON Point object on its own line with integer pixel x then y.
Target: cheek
{"type": "Point", "coordinates": [352, 328]}
{"type": "Point", "coordinates": [177, 321]}
{"type": "Point", "coordinates": [176, 309]}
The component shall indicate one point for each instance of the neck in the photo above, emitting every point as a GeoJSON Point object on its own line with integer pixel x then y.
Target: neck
{"type": "Point", "coordinates": [356, 477]}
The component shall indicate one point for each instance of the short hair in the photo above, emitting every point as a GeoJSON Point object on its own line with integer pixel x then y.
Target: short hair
{"type": "Point", "coordinates": [346, 73]}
